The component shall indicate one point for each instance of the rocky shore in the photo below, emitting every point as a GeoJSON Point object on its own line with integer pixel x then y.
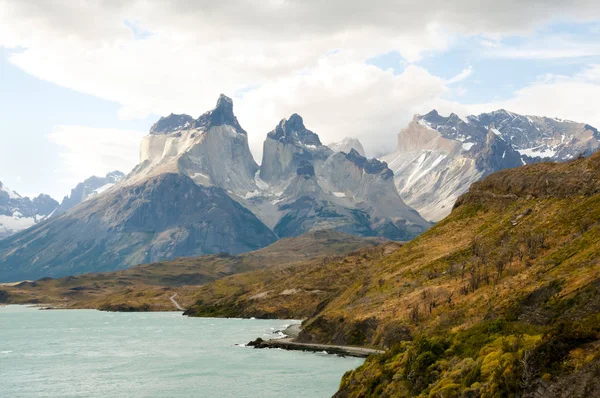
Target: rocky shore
{"type": "Point", "coordinates": [293, 331]}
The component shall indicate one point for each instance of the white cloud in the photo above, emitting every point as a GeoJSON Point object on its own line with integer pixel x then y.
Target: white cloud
{"type": "Point", "coordinates": [284, 56]}
{"type": "Point", "coordinates": [548, 47]}
{"type": "Point", "coordinates": [339, 98]}
{"type": "Point", "coordinates": [87, 151]}
{"type": "Point", "coordinates": [461, 76]}
{"type": "Point", "coordinates": [566, 97]}
{"type": "Point", "coordinates": [195, 50]}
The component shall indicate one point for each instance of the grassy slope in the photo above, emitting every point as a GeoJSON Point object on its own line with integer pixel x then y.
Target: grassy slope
{"type": "Point", "coordinates": [499, 299]}
{"type": "Point", "coordinates": [290, 291]}
{"type": "Point", "coordinates": [148, 287]}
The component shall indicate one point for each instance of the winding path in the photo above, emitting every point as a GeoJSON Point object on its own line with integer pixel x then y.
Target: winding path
{"type": "Point", "coordinates": [175, 303]}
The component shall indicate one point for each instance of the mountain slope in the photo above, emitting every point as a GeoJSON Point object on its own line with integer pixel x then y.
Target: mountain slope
{"type": "Point", "coordinates": [163, 217]}
{"type": "Point", "coordinates": [438, 158]}
{"type": "Point", "coordinates": [501, 298]}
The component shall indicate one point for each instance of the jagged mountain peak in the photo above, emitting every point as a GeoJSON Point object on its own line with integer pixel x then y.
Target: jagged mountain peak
{"type": "Point", "coordinates": [295, 122]}
{"type": "Point", "coordinates": [428, 161]}
{"type": "Point", "coordinates": [430, 115]}
{"type": "Point", "coordinates": [434, 118]}
{"type": "Point", "coordinates": [454, 117]}
{"type": "Point", "coordinates": [370, 166]}
{"type": "Point", "coordinates": [292, 130]}
{"type": "Point", "coordinates": [287, 146]}
{"type": "Point", "coordinates": [346, 145]}
{"type": "Point", "coordinates": [225, 103]}
{"type": "Point", "coordinates": [171, 123]}
{"type": "Point", "coordinates": [221, 115]}
{"type": "Point", "coordinates": [90, 187]}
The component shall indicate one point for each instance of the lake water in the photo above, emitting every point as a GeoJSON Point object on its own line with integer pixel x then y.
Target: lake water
{"type": "Point", "coordinates": [86, 353]}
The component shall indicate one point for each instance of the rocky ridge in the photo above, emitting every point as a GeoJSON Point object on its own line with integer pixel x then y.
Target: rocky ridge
{"type": "Point", "coordinates": [88, 188]}
{"type": "Point", "coordinates": [439, 157]}
{"type": "Point", "coordinates": [18, 212]}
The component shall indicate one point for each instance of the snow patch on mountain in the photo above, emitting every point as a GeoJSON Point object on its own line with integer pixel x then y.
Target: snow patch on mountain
{"type": "Point", "coordinates": [438, 157]}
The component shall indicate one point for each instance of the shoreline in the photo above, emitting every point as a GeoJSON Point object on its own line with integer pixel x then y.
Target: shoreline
{"type": "Point", "coordinates": [292, 332]}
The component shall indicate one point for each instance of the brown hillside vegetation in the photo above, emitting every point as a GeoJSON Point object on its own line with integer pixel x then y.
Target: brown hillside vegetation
{"type": "Point", "coordinates": [148, 287]}
{"type": "Point", "coordinates": [501, 298]}
{"type": "Point", "coordinates": [287, 291]}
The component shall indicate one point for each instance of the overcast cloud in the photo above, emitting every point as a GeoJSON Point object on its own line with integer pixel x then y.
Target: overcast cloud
{"type": "Point", "coordinates": [277, 57]}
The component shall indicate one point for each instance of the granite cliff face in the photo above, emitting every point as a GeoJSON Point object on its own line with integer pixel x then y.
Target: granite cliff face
{"type": "Point", "coordinates": [438, 158]}
{"type": "Point", "coordinates": [304, 185]}
{"type": "Point", "coordinates": [212, 150]}
{"type": "Point", "coordinates": [287, 147]}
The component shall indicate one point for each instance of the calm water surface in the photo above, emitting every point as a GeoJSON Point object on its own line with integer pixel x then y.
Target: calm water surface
{"type": "Point", "coordinates": [86, 353]}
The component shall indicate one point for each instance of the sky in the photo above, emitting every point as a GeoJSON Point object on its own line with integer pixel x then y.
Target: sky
{"type": "Point", "coordinates": [82, 82]}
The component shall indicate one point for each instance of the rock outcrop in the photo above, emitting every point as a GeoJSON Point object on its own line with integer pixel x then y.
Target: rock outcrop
{"type": "Point", "coordinates": [287, 147]}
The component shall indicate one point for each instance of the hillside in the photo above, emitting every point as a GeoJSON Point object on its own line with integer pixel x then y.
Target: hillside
{"type": "Point", "coordinates": [149, 286]}
{"type": "Point", "coordinates": [501, 298]}
{"type": "Point", "coordinates": [288, 291]}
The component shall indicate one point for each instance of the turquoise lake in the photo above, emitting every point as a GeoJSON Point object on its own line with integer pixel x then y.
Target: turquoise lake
{"type": "Point", "coordinates": [87, 353]}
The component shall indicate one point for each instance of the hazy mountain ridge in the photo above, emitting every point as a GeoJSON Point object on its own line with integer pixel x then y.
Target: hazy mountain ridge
{"type": "Point", "coordinates": [18, 212]}
{"type": "Point", "coordinates": [88, 188]}
{"type": "Point", "coordinates": [163, 217]}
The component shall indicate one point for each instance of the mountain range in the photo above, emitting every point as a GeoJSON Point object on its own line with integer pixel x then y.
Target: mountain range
{"type": "Point", "coordinates": [197, 189]}
{"type": "Point", "coordinates": [20, 212]}
{"type": "Point", "coordinates": [439, 157]}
